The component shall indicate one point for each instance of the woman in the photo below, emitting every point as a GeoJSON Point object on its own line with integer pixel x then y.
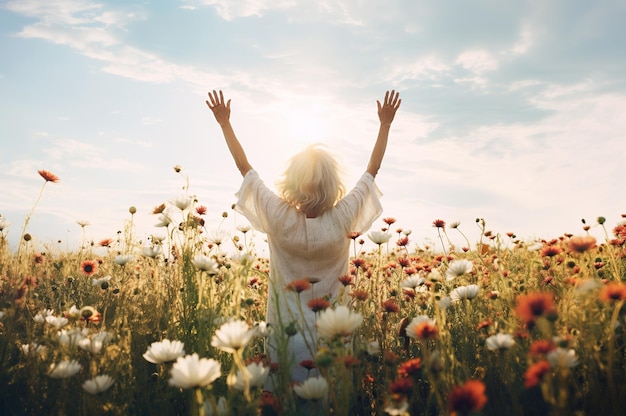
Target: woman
{"type": "Point", "coordinates": [307, 227]}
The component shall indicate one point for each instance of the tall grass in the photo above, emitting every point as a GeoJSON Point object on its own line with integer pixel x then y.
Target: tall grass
{"type": "Point", "coordinates": [527, 328]}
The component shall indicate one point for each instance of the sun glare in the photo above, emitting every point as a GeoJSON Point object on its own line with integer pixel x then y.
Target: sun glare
{"type": "Point", "coordinates": [307, 125]}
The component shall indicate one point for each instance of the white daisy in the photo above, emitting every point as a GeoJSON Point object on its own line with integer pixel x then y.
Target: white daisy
{"type": "Point", "coordinates": [98, 384]}
{"type": "Point", "coordinates": [232, 336]}
{"type": "Point", "coordinates": [500, 341]}
{"type": "Point", "coordinates": [164, 351]}
{"type": "Point", "coordinates": [192, 371]}
{"type": "Point", "coordinates": [313, 388]}
{"type": "Point", "coordinates": [338, 322]}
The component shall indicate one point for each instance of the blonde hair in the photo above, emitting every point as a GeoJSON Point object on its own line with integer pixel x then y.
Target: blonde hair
{"type": "Point", "coordinates": [312, 181]}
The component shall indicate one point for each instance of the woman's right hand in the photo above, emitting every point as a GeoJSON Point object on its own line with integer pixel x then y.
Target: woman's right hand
{"type": "Point", "coordinates": [220, 110]}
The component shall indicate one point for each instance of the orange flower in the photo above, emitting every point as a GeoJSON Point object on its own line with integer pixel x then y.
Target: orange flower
{"type": "Point", "coordinates": [39, 258]}
{"type": "Point", "coordinates": [299, 285]}
{"type": "Point", "coordinates": [422, 327]}
{"type": "Point", "coordinates": [390, 306]}
{"type": "Point", "coordinates": [582, 244]}
{"type": "Point", "coordinates": [541, 347]}
{"type": "Point", "coordinates": [409, 367]}
{"type": "Point", "coordinates": [158, 209]}
{"type": "Point", "coordinates": [620, 230]}
{"type": "Point", "coordinates": [354, 235]}
{"type": "Point", "coordinates": [359, 294]}
{"type": "Point", "coordinates": [106, 242]}
{"type": "Point", "coordinates": [613, 291]}
{"type": "Point", "coordinates": [201, 210]}
{"type": "Point", "coordinates": [426, 331]}
{"type": "Point", "coordinates": [346, 280]}
{"type": "Point", "coordinates": [48, 176]}
{"type": "Point", "coordinates": [389, 220]}
{"type": "Point", "coordinates": [484, 324]}
{"type": "Point", "coordinates": [536, 373]}
{"type": "Point", "coordinates": [402, 242]}
{"type": "Point", "coordinates": [400, 388]}
{"type": "Point", "coordinates": [533, 305]}
{"type": "Point", "coordinates": [318, 304]}
{"type": "Point", "coordinates": [470, 397]}
{"type": "Point", "coordinates": [89, 267]}
{"type": "Point", "coordinates": [404, 262]}
{"type": "Point", "coordinates": [551, 251]}
{"type": "Point", "coordinates": [358, 263]}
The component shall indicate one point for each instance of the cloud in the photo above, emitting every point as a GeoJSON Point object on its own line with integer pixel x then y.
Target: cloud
{"type": "Point", "coordinates": [95, 32]}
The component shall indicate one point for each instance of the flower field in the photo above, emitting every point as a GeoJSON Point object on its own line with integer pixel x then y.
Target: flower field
{"type": "Point", "coordinates": [175, 325]}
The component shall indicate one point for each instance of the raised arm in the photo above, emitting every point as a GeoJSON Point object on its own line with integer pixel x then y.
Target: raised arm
{"type": "Point", "coordinates": [386, 113]}
{"type": "Point", "coordinates": [221, 112]}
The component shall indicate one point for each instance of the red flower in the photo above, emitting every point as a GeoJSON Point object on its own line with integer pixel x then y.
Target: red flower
{"type": "Point", "coordinates": [354, 235]}
{"type": "Point", "coordinates": [158, 209]}
{"type": "Point", "coordinates": [48, 176]}
{"type": "Point", "coordinates": [390, 306]}
{"type": "Point", "coordinates": [536, 373]}
{"type": "Point", "coordinates": [402, 242]}
{"type": "Point", "coordinates": [533, 305]}
{"type": "Point", "coordinates": [439, 224]}
{"type": "Point", "coordinates": [358, 262]}
{"type": "Point", "coordinates": [551, 251]}
{"type": "Point", "coordinates": [269, 404]}
{"type": "Point", "coordinates": [410, 367]}
{"type": "Point", "coordinates": [299, 285]}
{"type": "Point", "coordinates": [484, 324]}
{"type": "Point", "coordinates": [401, 386]}
{"type": "Point", "coordinates": [470, 397]}
{"type": "Point", "coordinates": [389, 220]}
{"type": "Point", "coordinates": [620, 231]}
{"type": "Point", "coordinates": [582, 244]}
{"type": "Point", "coordinates": [106, 242]}
{"type": "Point", "coordinates": [200, 210]}
{"type": "Point", "coordinates": [404, 262]}
{"type": "Point", "coordinates": [39, 258]}
{"type": "Point", "coordinates": [318, 304]}
{"type": "Point", "coordinates": [89, 267]}
{"type": "Point", "coordinates": [541, 347]}
{"type": "Point", "coordinates": [424, 330]}
{"type": "Point", "coordinates": [359, 294]}
{"type": "Point", "coordinates": [346, 280]}
{"type": "Point", "coordinates": [308, 364]}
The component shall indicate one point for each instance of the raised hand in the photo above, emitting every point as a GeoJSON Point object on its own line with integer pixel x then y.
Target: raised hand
{"type": "Point", "coordinates": [220, 110]}
{"type": "Point", "coordinates": [387, 110]}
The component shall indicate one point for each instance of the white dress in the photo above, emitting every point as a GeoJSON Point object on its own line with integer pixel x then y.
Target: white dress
{"type": "Point", "coordinates": [300, 247]}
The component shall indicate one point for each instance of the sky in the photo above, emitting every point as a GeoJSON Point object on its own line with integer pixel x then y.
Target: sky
{"type": "Point", "coordinates": [512, 111]}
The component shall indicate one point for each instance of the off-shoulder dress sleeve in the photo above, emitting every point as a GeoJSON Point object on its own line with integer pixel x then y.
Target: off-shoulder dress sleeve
{"type": "Point", "coordinates": [255, 200]}
{"type": "Point", "coordinates": [362, 204]}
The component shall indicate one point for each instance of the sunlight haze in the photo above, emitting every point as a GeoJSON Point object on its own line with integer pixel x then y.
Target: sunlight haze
{"type": "Point", "coordinates": [512, 111]}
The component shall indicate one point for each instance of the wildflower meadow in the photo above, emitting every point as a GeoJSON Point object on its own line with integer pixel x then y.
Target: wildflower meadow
{"type": "Point", "coordinates": [175, 324]}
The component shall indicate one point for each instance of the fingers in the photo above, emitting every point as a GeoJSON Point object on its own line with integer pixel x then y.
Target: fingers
{"type": "Point", "coordinates": [393, 98]}
{"type": "Point", "coordinates": [215, 99]}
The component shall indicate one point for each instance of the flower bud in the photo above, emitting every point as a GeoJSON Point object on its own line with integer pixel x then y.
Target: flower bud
{"type": "Point", "coordinates": [291, 329]}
